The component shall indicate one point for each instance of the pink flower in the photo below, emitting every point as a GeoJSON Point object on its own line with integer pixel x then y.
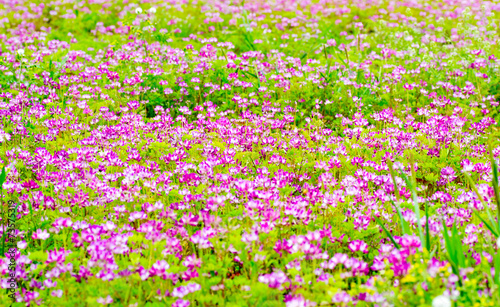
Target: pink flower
{"type": "Point", "coordinates": [105, 301]}
{"type": "Point", "coordinates": [58, 256]}
{"type": "Point", "coordinates": [467, 166]}
{"type": "Point", "coordinates": [22, 244]}
{"type": "Point", "coordinates": [40, 235]}
{"type": "Point", "coordinates": [191, 262]}
{"type": "Point", "coordinates": [182, 291]}
{"type": "Point", "coordinates": [49, 283]}
{"type": "Point", "coordinates": [181, 303]}
{"type": "Point", "coordinates": [358, 245]}
{"type": "Point", "coordinates": [448, 174]}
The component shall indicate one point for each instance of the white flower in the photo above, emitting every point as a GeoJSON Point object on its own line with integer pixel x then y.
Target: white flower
{"type": "Point", "coordinates": [20, 52]}
{"type": "Point", "coordinates": [138, 10]}
{"type": "Point", "coordinates": [498, 243]}
{"type": "Point", "coordinates": [4, 136]}
{"type": "Point", "coordinates": [152, 10]}
{"type": "Point", "coordinates": [441, 301]}
{"type": "Point", "coordinates": [22, 244]}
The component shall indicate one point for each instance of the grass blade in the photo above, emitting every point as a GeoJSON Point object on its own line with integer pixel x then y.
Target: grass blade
{"type": "Point", "coordinates": [415, 205]}
{"type": "Point", "coordinates": [485, 205]}
{"type": "Point", "coordinates": [427, 232]}
{"type": "Point", "coordinates": [404, 224]}
{"type": "Point", "coordinates": [457, 245]}
{"type": "Point", "coordinates": [491, 228]}
{"type": "Point", "coordinates": [449, 246]}
{"type": "Point", "coordinates": [497, 269]}
{"type": "Point", "coordinates": [3, 176]}
{"type": "Point", "coordinates": [495, 181]}
{"type": "Point", "coordinates": [393, 176]}
{"type": "Point", "coordinates": [386, 232]}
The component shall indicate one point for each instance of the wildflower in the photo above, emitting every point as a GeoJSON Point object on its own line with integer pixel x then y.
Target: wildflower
{"type": "Point", "coordinates": [181, 303]}
{"type": "Point", "coordinates": [448, 174]}
{"type": "Point", "coordinates": [22, 244]}
{"type": "Point", "coordinates": [467, 166]}
{"type": "Point", "coordinates": [358, 245]}
{"type": "Point", "coordinates": [40, 235]}
{"type": "Point", "coordinates": [49, 283]}
{"type": "Point", "coordinates": [274, 280]}
{"type": "Point", "coordinates": [4, 136]}
{"type": "Point", "coordinates": [138, 10]}
{"type": "Point", "coordinates": [105, 301]}
{"type": "Point", "coordinates": [182, 291]}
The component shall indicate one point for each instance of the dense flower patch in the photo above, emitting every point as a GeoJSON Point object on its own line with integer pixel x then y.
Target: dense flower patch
{"type": "Point", "coordinates": [250, 153]}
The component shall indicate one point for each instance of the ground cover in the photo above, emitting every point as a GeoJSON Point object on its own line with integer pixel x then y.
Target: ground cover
{"type": "Point", "coordinates": [249, 153]}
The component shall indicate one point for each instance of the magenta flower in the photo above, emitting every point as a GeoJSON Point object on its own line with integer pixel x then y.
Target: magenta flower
{"type": "Point", "coordinates": [448, 174]}
{"type": "Point", "coordinates": [331, 42]}
{"type": "Point", "coordinates": [358, 245]}
{"type": "Point", "coordinates": [181, 303]}
{"type": "Point", "coordinates": [274, 280]}
{"type": "Point", "coordinates": [40, 235]}
{"type": "Point", "coordinates": [182, 291]}
{"type": "Point", "coordinates": [57, 256]}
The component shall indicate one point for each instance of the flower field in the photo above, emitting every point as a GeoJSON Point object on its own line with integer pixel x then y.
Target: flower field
{"type": "Point", "coordinates": [250, 153]}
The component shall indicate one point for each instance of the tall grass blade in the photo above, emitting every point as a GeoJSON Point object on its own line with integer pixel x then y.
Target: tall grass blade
{"type": "Point", "coordinates": [415, 205]}
{"type": "Point", "coordinates": [490, 227]}
{"type": "Point", "coordinates": [3, 176]}
{"type": "Point", "coordinates": [497, 269]}
{"type": "Point", "coordinates": [457, 246]}
{"type": "Point", "coordinates": [393, 176]}
{"type": "Point", "coordinates": [485, 205]}
{"type": "Point", "coordinates": [386, 232]}
{"type": "Point", "coordinates": [427, 232]}
{"type": "Point", "coordinates": [404, 224]}
{"type": "Point", "coordinates": [495, 181]}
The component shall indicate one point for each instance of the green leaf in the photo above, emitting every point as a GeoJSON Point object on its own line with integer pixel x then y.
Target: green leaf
{"type": "Point", "coordinates": [286, 191]}
{"type": "Point", "coordinates": [293, 153]}
{"type": "Point", "coordinates": [136, 238]}
{"type": "Point", "coordinates": [174, 195]}
{"type": "Point", "coordinates": [200, 189]}
{"type": "Point", "coordinates": [38, 256]}
{"type": "Point", "coordinates": [135, 258]}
